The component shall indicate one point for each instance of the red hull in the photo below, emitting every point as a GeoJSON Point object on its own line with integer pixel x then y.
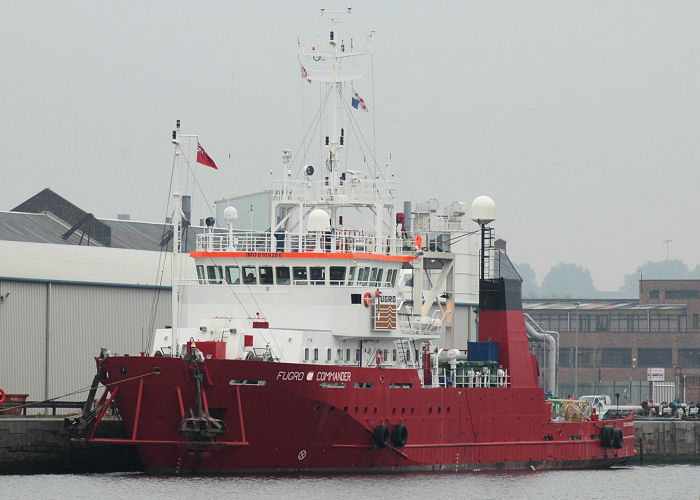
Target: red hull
{"type": "Point", "coordinates": [296, 422]}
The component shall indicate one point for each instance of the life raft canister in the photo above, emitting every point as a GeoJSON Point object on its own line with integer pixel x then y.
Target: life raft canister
{"type": "Point", "coordinates": [2, 395]}
{"type": "Point", "coordinates": [367, 299]}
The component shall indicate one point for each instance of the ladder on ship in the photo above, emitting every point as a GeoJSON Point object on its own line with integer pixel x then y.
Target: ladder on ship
{"type": "Point", "coordinates": [403, 349]}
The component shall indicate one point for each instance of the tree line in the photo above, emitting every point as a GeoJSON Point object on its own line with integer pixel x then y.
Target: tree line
{"type": "Point", "coordinates": [567, 280]}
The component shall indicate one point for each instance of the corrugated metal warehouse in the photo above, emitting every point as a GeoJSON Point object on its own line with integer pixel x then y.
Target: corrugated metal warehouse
{"type": "Point", "coordinates": [70, 284]}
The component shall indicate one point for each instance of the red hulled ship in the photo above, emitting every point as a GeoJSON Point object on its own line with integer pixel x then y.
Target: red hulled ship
{"type": "Point", "coordinates": [314, 345]}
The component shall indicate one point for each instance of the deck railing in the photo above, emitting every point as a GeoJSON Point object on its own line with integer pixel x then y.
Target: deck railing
{"type": "Point", "coordinates": [343, 241]}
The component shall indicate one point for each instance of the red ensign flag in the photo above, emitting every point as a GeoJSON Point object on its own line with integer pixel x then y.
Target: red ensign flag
{"type": "Point", "coordinates": [204, 158]}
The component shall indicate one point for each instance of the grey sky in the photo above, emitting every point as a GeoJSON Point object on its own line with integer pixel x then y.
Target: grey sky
{"type": "Point", "coordinates": [581, 119]}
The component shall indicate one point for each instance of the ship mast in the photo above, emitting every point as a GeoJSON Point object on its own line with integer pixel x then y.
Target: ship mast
{"type": "Point", "coordinates": [177, 239]}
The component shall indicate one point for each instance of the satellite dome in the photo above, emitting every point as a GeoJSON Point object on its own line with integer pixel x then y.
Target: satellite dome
{"type": "Point", "coordinates": [230, 213]}
{"type": "Point", "coordinates": [318, 220]}
{"type": "Point", "coordinates": [483, 210]}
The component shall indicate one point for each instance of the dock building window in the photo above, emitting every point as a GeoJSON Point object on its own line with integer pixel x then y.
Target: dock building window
{"type": "Point", "coordinates": [689, 358]}
{"type": "Point", "coordinates": [682, 294]}
{"type": "Point", "coordinates": [614, 357]}
{"type": "Point", "coordinates": [653, 294]}
{"type": "Point", "coordinates": [655, 357]}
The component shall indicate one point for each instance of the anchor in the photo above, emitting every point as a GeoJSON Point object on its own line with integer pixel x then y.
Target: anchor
{"type": "Point", "coordinates": [202, 426]}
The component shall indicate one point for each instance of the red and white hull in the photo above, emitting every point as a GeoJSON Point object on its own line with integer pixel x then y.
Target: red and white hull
{"type": "Point", "coordinates": [296, 422]}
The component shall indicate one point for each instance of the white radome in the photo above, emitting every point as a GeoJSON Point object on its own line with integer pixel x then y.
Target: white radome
{"type": "Point", "coordinates": [230, 213]}
{"type": "Point", "coordinates": [318, 220]}
{"type": "Point", "coordinates": [483, 210]}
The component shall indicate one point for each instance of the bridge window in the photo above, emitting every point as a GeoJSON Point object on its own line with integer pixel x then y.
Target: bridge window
{"type": "Point", "coordinates": [200, 274]}
{"type": "Point", "coordinates": [337, 275]}
{"type": "Point", "coordinates": [282, 275]}
{"type": "Point", "coordinates": [315, 353]}
{"type": "Point", "coordinates": [300, 276]}
{"type": "Point", "coordinates": [306, 354]}
{"type": "Point", "coordinates": [347, 354]}
{"type": "Point", "coordinates": [339, 354]}
{"type": "Point", "coordinates": [233, 275]}
{"type": "Point", "coordinates": [380, 272]}
{"type": "Point", "coordinates": [362, 276]}
{"type": "Point", "coordinates": [373, 277]}
{"type": "Point", "coordinates": [250, 275]}
{"type": "Point", "coordinates": [351, 275]}
{"type": "Point", "coordinates": [329, 354]}
{"type": "Point", "coordinates": [214, 274]}
{"type": "Point", "coordinates": [318, 275]}
{"type": "Point", "coordinates": [266, 275]}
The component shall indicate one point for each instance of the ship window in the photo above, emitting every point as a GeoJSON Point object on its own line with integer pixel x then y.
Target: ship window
{"type": "Point", "coordinates": [214, 275]}
{"type": "Point", "coordinates": [393, 355]}
{"type": "Point", "coordinates": [339, 354]}
{"type": "Point", "coordinates": [306, 354]}
{"type": "Point", "coordinates": [200, 274]}
{"type": "Point", "coordinates": [299, 275]}
{"type": "Point", "coordinates": [357, 355]}
{"type": "Point", "coordinates": [315, 353]}
{"type": "Point", "coordinates": [355, 298]}
{"type": "Point", "coordinates": [282, 275]}
{"type": "Point", "coordinates": [337, 275]}
{"type": "Point", "coordinates": [250, 275]}
{"type": "Point", "coordinates": [317, 275]}
{"type": "Point", "coordinates": [347, 354]}
{"type": "Point", "coordinates": [266, 275]}
{"type": "Point", "coordinates": [373, 277]}
{"type": "Point", "coordinates": [362, 276]}
{"type": "Point", "coordinates": [233, 275]}
{"type": "Point", "coordinates": [391, 277]}
{"type": "Point", "coordinates": [329, 354]}
{"type": "Point", "coordinates": [379, 277]}
{"type": "Point", "coordinates": [351, 275]}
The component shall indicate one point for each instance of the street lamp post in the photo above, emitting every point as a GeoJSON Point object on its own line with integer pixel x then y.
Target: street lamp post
{"type": "Point", "coordinates": [577, 304]}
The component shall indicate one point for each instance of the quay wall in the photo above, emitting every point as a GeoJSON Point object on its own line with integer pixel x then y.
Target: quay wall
{"type": "Point", "coordinates": [37, 444]}
{"type": "Point", "coordinates": [667, 440]}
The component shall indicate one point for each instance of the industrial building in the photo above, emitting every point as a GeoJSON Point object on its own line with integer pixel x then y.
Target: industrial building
{"type": "Point", "coordinates": [71, 283]}
{"type": "Point", "coordinates": [624, 346]}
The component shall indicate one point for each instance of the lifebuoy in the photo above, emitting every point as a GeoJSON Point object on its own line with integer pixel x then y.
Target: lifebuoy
{"type": "Point", "coordinates": [380, 357]}
{"type": "Point", "coordinates": [367, 299]}
{"type": "Point", "coordinates": [2, 395]}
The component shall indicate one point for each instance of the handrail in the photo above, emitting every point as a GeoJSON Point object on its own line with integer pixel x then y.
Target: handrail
{"type": "Point", "coordinates": [24, 405]}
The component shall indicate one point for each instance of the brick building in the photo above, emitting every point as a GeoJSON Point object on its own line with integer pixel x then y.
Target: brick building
{"type": "Point", "coordinates": [618, 340]}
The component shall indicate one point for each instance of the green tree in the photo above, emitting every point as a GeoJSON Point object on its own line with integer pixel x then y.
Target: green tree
{"type": "Point", "coordinates": [527, 273]}
{"type": "Point", "coordinates": [657, 270]}
{"type": "Point", "coordinates": [567, 280]}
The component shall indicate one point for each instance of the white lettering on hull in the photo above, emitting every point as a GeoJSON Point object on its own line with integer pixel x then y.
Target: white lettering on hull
{"type": "Point", "coordinates": [318, 376]}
